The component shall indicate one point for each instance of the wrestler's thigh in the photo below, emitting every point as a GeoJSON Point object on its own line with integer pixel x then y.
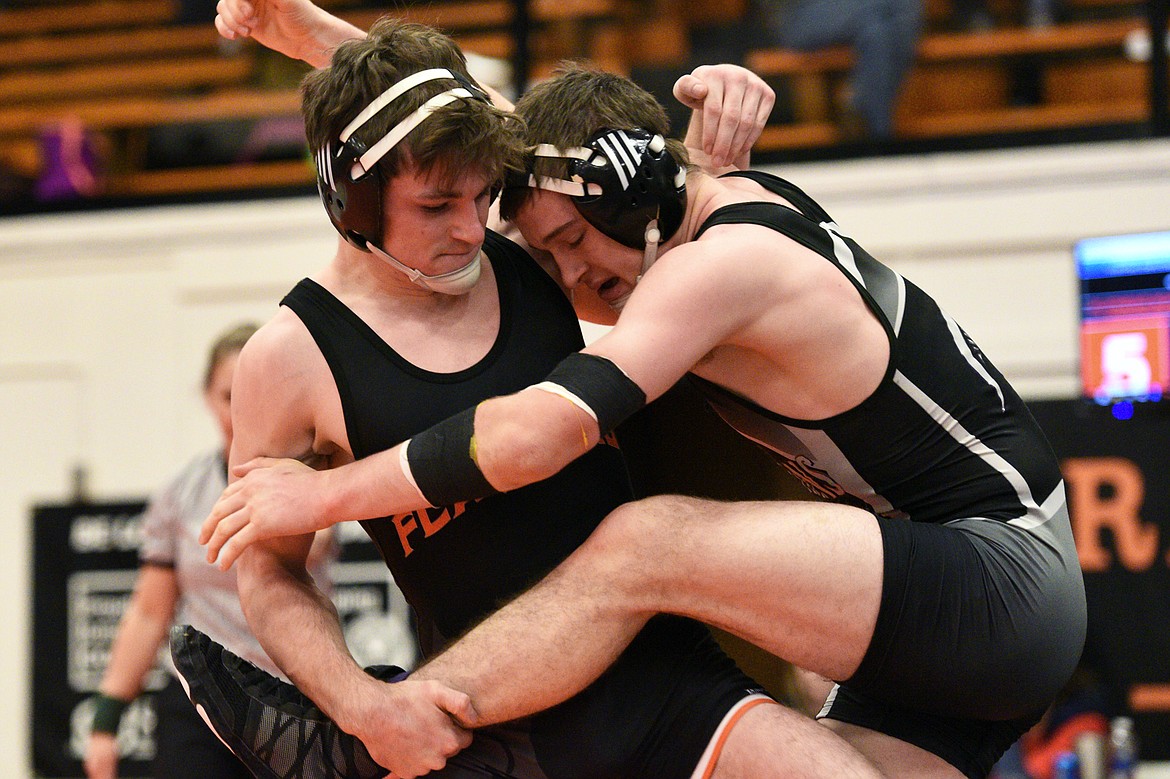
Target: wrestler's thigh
{"type": "Point", "coordinates": [892, 756]}
{"type": "Point", "coordinates": [768, 572]}
{"type": "Point", "coordinates": [774, 741]}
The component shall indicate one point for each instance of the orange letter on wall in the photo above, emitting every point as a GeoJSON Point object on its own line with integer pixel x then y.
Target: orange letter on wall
{"type": "Point", "coordinates": [1090, 480]}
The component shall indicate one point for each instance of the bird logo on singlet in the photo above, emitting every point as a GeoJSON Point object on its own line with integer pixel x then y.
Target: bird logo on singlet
{"type": "Point", "coordinates": [815, 480]}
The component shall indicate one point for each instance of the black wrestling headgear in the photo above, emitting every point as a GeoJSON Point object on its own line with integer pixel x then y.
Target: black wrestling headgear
{"type": "Point", "coordinates": [624, 182]}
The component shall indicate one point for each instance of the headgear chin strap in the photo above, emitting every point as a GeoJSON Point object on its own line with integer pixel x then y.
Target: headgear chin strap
{"type": "Point", "coordinates": [626, 184]}
{"type": "Point", "coordinates": [351, 186]}
{"type": "Point", "coordinates": [457, 282]}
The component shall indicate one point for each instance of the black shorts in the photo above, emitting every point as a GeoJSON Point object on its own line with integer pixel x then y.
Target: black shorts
{"type": "Point", "coordinates": [652, 714]}
{"type": "Point", "coordinates": [981, 623]}
{"type": "Point", "coordinates": [185, 748]}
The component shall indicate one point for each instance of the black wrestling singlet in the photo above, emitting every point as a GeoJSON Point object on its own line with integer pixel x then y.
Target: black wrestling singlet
{"type": "Point", "coordinates": [661, 703]}
{"type": "Point", "coordinates": [455, 564]}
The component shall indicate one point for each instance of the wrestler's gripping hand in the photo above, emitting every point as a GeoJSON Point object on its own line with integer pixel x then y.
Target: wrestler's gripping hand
{"type": "Point", "coordinates": [273, 497]}
{"type": "Point", "coordinates": [411, 727]}
{"type": "Point", "coordinates": [286, 26]}
{"type": "Point", "coordinates": [735, 103]}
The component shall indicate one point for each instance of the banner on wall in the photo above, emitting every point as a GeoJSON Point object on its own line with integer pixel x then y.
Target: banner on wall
{"type": "Point", "coordinates": [1118, 480]}
{"type": "Point", "coordinates": [85, 564]}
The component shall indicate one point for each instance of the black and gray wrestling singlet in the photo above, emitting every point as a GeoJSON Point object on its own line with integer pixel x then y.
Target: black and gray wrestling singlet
{"type": "Point", "coordinates": [982, 613]}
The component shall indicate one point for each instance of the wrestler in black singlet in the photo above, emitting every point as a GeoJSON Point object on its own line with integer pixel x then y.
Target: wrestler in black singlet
{"type": "Point", "coordinates": [656, 710]}
{"type": "Point", "coordinates": [982, 617]}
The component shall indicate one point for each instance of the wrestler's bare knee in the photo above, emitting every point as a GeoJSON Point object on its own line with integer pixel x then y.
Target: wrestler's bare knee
{"type": "Point", "coordinates": [639, 547]}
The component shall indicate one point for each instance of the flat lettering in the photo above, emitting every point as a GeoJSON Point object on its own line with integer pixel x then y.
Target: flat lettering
{"type": "Point", "coordinates": [405, 524]}
{"type": "Point", "coordinates": [430, 520]}
{"type": "Point", "coordinates": [1106, 493]}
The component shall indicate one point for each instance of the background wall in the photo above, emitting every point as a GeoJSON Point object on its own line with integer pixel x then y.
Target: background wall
{"type": "Point", "coordinates": [106, 316]}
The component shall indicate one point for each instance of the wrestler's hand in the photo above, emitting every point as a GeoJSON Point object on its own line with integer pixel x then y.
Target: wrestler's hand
{"type": "Point", "coordinates": [286, 26]}
{"type": "Point", "coordinates": [410, 727]}
{"type": "Point", "coordinates": [734, 104]}
{"type": "Point", "coordinates": [272, 498]}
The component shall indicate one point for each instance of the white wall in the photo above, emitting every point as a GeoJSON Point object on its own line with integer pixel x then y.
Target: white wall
{"type": "Point", "coordinates": [106, 315]}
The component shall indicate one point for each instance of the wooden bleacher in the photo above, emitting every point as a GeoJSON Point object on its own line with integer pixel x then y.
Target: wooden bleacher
{"type": "Point", "coordinates": [120, 67]}
{"type": "Point", "coordinates": [53, 18]}
{"type": "Point", "coordinates": [105, 45]}
{"type": "Point", "coordinates": [176, 74]}
{"type": "Point", "coordinates": [561, 29]}
{"type": "Point", "coordinates": [961, 83]}
{"type": "Point", "coordinates": [124, 67]}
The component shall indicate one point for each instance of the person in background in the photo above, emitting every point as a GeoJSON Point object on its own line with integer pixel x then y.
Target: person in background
{"type": "Point", "coordinates": [883, 35]}
{"type": "Point", "coordinates": [976, 15]}
{"type": "Point", "coordinates": [175, 583]}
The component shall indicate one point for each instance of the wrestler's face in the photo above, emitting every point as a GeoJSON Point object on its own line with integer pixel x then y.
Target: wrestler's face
{"type": "Point", "coordinates": [585, 256]}
{"type": "Point", "coordinates": [435, 223]}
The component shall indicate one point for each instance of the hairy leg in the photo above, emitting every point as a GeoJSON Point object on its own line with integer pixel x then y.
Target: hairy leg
{"type": "Point", "coordinates": [893, 756]}
{"type": "Point", "coordinates": [775, 741]}
{"type": "Point", "coordinates": [801, 580]}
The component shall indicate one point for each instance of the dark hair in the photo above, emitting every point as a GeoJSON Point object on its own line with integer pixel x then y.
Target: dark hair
{"type": "Point", "coordinates": [463, 134]}
{"type": "Point", "coordinates": [572, 106]}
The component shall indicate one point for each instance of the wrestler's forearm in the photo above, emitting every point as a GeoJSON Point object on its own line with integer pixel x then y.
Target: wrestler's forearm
{"type": "Point", "coordinates": [299, 628]}
{"type": "Point", "coordinates": [322, 33]}
{"type": "Point", "coordinates": [325, 34]}
{"type": "Point", "coordinates": [375, 486]}
{"type": "Point", "coordinates": [519, 439]}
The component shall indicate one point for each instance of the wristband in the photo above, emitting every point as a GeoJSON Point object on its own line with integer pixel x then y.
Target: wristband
{"type": "Point", "coordinates": [442, 462]}
{"type": "Point", "coordinates": [107, 713]}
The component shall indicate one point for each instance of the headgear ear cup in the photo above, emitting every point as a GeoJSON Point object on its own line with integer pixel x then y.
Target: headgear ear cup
{"type": "Point", "coordinates": [354, 205]}
{"type": "Point", "coordinates": [348, 178]}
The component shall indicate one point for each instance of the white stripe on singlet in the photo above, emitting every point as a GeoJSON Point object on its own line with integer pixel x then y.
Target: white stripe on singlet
{"type": "Point", "coordinates": [832, 696]}
{"type": "Point", "coordinates": [1034, 515]}
{"type": "Point", "coordinates": [965, 350]}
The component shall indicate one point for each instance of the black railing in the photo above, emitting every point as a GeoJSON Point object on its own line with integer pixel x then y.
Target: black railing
{"type": "Point", "coordinates": [1158, 13]}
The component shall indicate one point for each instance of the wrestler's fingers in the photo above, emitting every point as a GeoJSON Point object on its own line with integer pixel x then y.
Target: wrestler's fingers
{"type": "Point", "coordinates": [226, 529]}
{"type": "Point", "coordinates": [710, 110]}
{"type": "Point", "coordinates": [767, 100]}
{"type": "Point", "coordinates": [750, 127]}
{"type": "Point", "coordinates": [239, 11]}
{"type": "Point", "coordinates": [724, 113]}
{"type": "Point", "coordinates": [224, 29]}
{"type": "Point", "coordinates": [235, 546]}
{"type": "Point", "coordinates": [461, 709]}
{"type": "Point", "coordinates": [233, 20]}
{"type": "Point", "coordinates": [243, 469]}
{"type": "Point", "coordinates": [227, 504]}
{"type": "Point", "coordinates": [689, 91]}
